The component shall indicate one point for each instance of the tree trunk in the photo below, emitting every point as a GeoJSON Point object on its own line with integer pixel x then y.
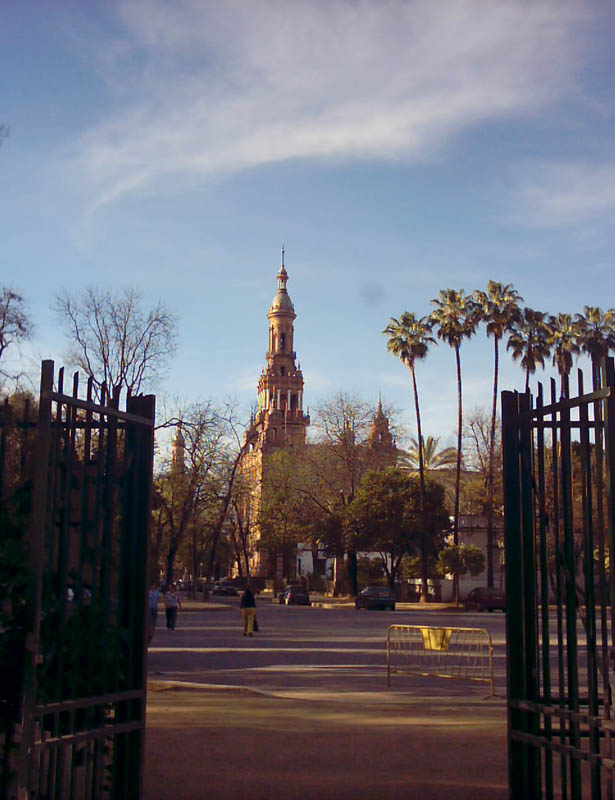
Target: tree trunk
{"type": "Point", "coordinates": [154, 570]}
{"type": "Point", "coordinates": [226, 501]}
{"type": "Point", "coordinates": [424, 585]}
{"type": "Point", "coordinates": [171, 564]}
{"type": "Point", "coordinates": [314, 549]}
{"type": "Point", "coordinates": [353, 572]}
{"type": "Point", "coordinates": [458, 473]}
{"type": "Point", "coordinates": [195, 563]}
{"type": "Point", "coordinates": [424, 571]}
{"type": "Point", "coordinates": [246, 556]}
{"type": "Point", "coordinates": [338, 575]}
{"type": "Point", "coordinates": [494, 411]}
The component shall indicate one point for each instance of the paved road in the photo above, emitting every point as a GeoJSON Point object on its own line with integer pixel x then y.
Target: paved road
{"type": "Point", "coordinates": [303, 710]}
{"type": "Point", "coordinates": [304, 648]}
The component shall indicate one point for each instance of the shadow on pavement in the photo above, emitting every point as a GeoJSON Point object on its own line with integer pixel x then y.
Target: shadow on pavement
{"type": "Point", "coordinates": [215, 743]}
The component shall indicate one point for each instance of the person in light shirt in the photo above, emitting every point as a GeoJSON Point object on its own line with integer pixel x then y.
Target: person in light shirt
{"type": "Point", "coordinates": [173, 604]}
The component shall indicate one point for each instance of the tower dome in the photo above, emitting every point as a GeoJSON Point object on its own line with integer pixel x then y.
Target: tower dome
{"type": "Point", "coordinates": [282, 301]}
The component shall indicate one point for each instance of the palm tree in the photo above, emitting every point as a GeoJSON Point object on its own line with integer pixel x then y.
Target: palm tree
{"type": "Point", "coordinates": [529, 342]}
{"type": "Point", "coordinates": [564, 338]}
{"type": "Point", "coordinates": [433, 458]}
{"type": "Point", "coordinates": [456, 317]}
{"type": "Point", "coordinates": [500, 310]}
{"type": "Point", "coordinates": [596, 333]}
{"type": "Point", "coordinates": [409, 340]}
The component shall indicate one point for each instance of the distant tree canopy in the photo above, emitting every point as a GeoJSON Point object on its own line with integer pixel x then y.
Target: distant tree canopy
{"type": "Point", "coordinates": [460, 559]}
{"type": "Point", "coordinates": [282, 515]}
{"type": "Point", "coordinates": [114, 339]}
{"type": "Point", "coordinates": [386, 517]}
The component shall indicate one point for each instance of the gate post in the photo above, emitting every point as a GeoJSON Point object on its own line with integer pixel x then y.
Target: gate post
{"type": "Point", "coordinates": [514, 587]}
{"type": "Point", "coordinates": [521, 622]}
{"type": "Point", "coordinates": [36, 536]}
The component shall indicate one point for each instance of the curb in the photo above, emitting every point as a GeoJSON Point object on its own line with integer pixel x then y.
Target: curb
{"type": "Point", "coordinates": [191, 686]}
{"type": "Point", "coordinates": [204, 607]}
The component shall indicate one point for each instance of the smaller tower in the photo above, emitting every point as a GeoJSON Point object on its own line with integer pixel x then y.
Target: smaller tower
{"type": "Point", "coordinates": [381, 444]}
{"type": "Point", "coordinates": [178, 452]}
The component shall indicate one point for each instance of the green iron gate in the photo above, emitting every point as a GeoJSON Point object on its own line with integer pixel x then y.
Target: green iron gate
{"type": "Point", "coordinates": [559, 477]}
{"type": "Point", "coordinates": [87, 469]}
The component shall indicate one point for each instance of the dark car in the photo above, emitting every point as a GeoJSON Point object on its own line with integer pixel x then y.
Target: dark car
{"type": "Point", "coordinates": [375, 598]}
{"type": "Point", "coordinates": [294, 596]}
{"type": "Point", "coordinates": [225, 587]}
{"type": "Point", "coordinates": [485, 599]}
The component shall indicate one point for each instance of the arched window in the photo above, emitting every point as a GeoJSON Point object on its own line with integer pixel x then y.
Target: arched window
{"type": "Point", "coordinates": [282, 342]}
{"type": "Point", "coordinates": [282, 370]}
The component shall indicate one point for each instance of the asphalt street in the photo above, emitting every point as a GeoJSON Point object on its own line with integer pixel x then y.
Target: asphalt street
{"type": "Point", "coordinates": [305, 648]}
{"type": "Point", "coordinates": [302, 709]}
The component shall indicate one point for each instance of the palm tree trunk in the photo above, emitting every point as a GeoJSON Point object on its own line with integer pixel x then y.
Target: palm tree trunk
{"type": "Point", "coordinates": [458, 473]}
{"type": "Point", "coordinates": [420, 436]}
{"type": "Point", "coordinates": [424, 585]}
{"type": "Point", "coordinates": [490, 492]}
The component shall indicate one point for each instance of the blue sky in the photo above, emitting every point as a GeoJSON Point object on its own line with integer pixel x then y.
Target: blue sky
{"type": "Point", "coordinates": [397, 148]}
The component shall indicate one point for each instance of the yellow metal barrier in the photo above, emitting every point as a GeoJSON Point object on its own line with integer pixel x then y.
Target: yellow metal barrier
{"type": "Point", "coordinates": [461, 653]}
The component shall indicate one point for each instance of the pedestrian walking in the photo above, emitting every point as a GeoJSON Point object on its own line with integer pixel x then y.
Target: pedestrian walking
{"type": "Point", "coordinates": [173, 603]}
{"type": "Point", "coordinates": [248, 611]}
{"type": "Point", "coordinates": [153, 599]}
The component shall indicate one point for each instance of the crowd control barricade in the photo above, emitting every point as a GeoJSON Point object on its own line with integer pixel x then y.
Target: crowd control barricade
{"type": "Point", "coordinates": [458, 653]}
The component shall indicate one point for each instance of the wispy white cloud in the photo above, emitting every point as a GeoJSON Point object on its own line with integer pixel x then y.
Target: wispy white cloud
{"type": "Point", "coordinates": [564, 194]}
{"type": "Point", "coordinates": [203, 88]}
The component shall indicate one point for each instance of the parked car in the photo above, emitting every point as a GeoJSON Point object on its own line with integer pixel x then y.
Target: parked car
{"type": "Point", "coordinates": [294, 596]}
{"type": "Point", "coordinates": [375, 598]}
{"type": "Point", "coordinates": [225, 587]}
{"type": "Point", "coordinates": [485, 599]}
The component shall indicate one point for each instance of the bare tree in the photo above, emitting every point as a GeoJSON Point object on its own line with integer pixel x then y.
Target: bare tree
{"type": "Point", "coordinates": [15, 324]}
{"type": "Point", "coordinates": [115, 340]}
{"type": "Point", "coordinates": [187, 487]}
{"type": "Point", "coordinates": [343, 424]}
{"type": "Point", "coordinates": [239, 525]}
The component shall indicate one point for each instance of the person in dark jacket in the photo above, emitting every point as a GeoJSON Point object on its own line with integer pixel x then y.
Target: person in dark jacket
{"type": "Point", "coordinates": [248, 611]}
{"type": "Point", "coordinates": [172, 604]}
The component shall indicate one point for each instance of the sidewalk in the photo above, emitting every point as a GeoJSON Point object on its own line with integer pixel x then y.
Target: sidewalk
{"type": "Point", "coordinates": [218, 742]}
{"type": "Point", "coordinates": [318, 601]}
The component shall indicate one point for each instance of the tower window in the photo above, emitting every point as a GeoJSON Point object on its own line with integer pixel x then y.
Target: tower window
{"type": "Point", "coordinates": [282, 342]}
{"type": "Point", "coordinates": [282, 370]}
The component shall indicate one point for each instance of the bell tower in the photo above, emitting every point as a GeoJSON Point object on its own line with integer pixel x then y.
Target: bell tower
{"type": "Point", "coordinates": [279, 420]}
